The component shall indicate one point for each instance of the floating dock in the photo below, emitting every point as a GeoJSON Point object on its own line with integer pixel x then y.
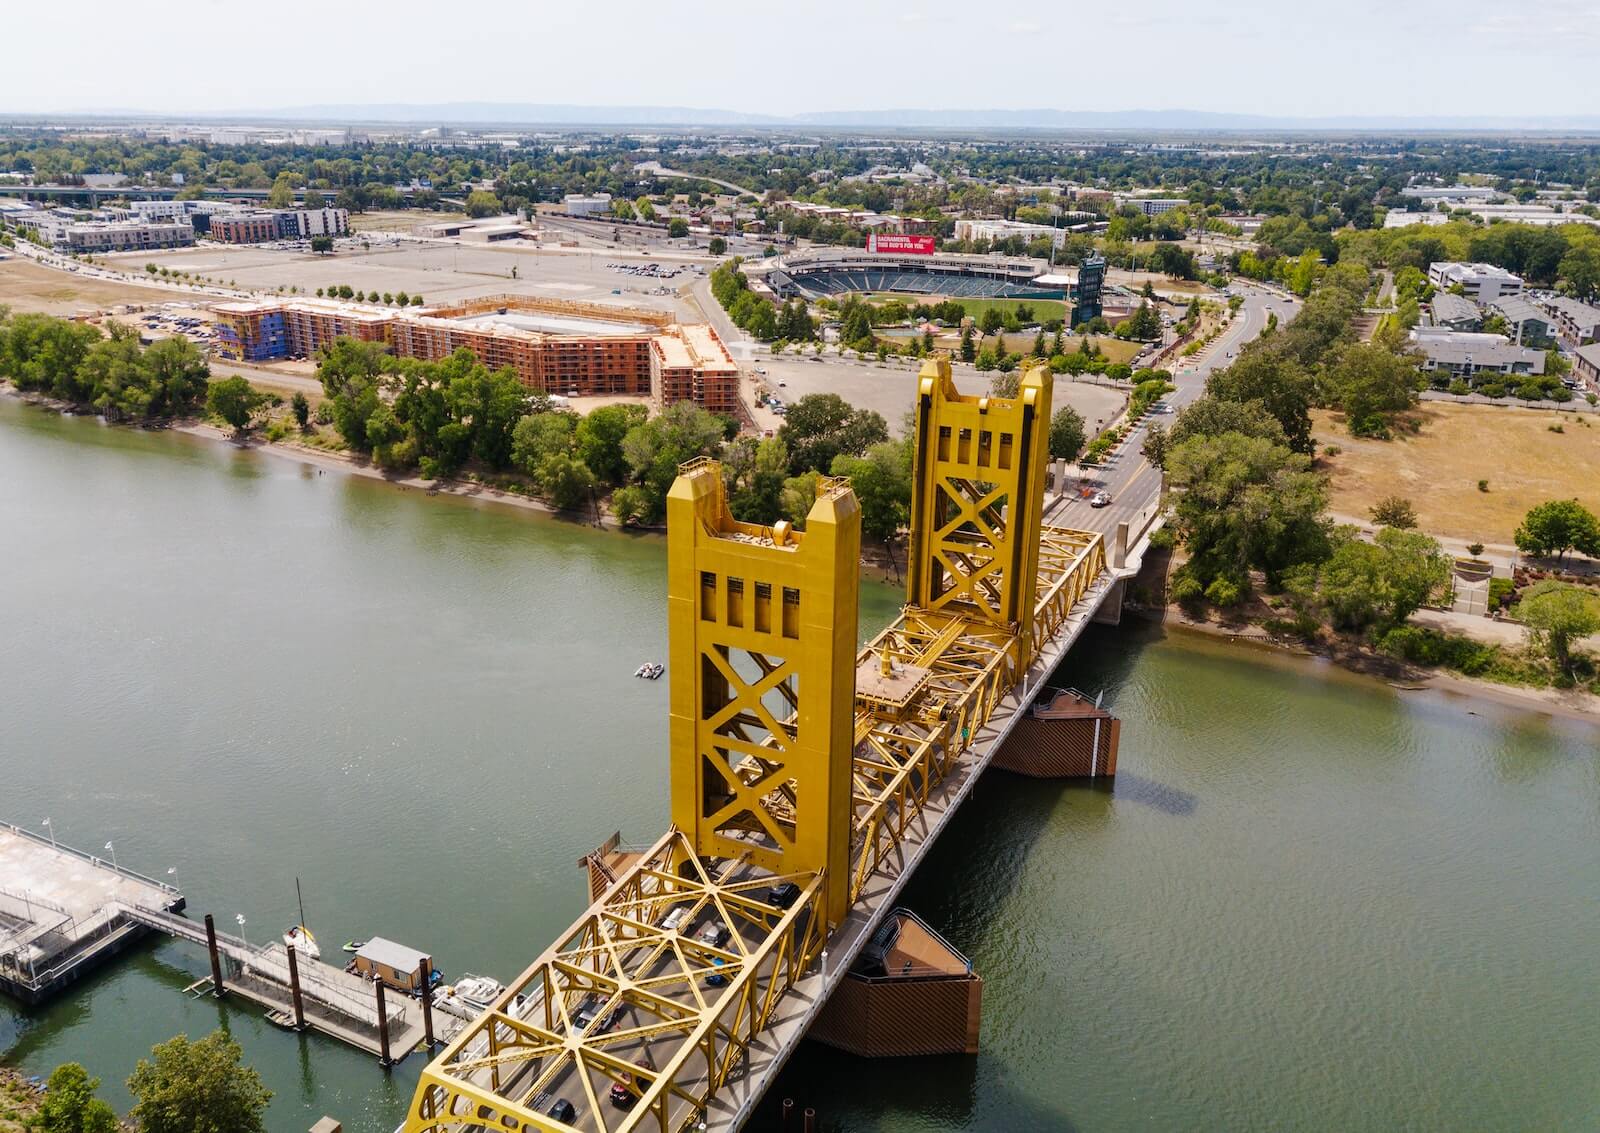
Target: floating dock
{"type": "Point", "coordinates": [61, 913]}
{"type": "Point", "coordinates": [64, 912]}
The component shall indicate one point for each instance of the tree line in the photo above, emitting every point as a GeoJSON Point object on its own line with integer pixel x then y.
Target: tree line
{"type": "Point", "coordinates": [109, 372]}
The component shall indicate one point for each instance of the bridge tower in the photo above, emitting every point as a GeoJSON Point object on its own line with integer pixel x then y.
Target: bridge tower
{"type": "Point", "coordinates": [977, 500]}
{"type": "Point", "coordinates": [762, 623]}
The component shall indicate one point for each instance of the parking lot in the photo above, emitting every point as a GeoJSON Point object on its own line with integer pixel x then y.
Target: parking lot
{"type": "Point", "coordinates": [891, 389]}
{"type": "Point", "coordinates": [440, 271]}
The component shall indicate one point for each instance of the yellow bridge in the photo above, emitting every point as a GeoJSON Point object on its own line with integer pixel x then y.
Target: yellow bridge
{"type": "Point", "coordinates": [807, 781]}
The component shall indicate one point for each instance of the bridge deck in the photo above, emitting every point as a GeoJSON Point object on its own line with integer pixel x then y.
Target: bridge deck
{"type": "Point", "coordinates": [643, 995]}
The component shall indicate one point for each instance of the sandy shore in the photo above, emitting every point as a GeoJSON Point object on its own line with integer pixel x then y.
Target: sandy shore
{"type": "Point", "coordinates": [1569, 704]}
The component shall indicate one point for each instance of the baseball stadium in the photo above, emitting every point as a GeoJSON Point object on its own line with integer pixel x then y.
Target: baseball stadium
{"type": "Point", "coordinates": [817, 272]}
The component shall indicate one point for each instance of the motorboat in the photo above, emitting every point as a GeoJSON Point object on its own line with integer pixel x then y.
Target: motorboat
{"type": "Point", "coordinates": [477, 991]}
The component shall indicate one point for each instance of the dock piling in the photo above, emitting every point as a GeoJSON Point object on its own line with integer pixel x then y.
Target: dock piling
{"type": "Point", "coordinates": [788, 1115]}
{"type": "Point", "coordinates": [383, 1028]}
{"type": "Point", "coordinates": [294, 990]}
{"type": "Point", "coordinates": [216, 957]}
{"type": "Point", "coordinates": [811, 1120]}
{"type": "Point", "coordinates": [427, 1003]}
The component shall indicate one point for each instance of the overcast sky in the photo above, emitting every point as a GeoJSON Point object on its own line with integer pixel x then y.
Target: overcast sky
{"type": "Point", "coordinates": [1278, 57]}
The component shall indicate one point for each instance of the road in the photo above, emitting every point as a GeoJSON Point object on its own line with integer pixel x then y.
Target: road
{"type": "Point", "coordinates": [1129, 478]}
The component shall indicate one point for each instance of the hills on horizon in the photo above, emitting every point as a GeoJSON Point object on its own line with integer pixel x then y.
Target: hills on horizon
{"type": "Point", "coordinates": [554, 114]}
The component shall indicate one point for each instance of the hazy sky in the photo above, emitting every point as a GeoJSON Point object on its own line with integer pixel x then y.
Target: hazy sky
{"type": "Point", "coordinates": [1279, 57]}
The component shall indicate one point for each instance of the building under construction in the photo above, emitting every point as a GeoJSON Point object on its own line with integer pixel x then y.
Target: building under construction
{"type": "Point", "coordinates": [557, 346]}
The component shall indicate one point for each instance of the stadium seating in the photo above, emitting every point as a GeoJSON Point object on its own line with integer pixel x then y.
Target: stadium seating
{"type": "Point", "coordinates": [958, 286]}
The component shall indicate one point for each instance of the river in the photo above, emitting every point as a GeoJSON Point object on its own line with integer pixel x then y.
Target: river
{"type": "Point", "coordinates": [1310, 901]}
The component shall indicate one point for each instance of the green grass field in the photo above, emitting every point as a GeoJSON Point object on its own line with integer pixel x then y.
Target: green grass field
{"type": "Point", "coordinates": [1043, 309]}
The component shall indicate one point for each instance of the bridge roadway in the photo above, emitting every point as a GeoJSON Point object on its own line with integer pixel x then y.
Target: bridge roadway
{"type": "Point", "coordinates": [624, 993]}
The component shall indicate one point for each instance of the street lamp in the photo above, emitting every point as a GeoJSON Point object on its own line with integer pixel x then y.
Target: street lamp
{"type": "Point", "coordinates": [113, 851]}
{"type": "Point", "coordinates": [52, 831]}
{"type": "Point", "coordinates": [240, 918]}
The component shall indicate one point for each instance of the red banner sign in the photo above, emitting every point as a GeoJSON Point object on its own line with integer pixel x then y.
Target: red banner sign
{"type": "Point", "coordinates": [900, 245]}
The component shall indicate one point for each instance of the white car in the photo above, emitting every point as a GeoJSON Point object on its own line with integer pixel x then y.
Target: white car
{"type": "Point", "coordinates": [1099, 499]}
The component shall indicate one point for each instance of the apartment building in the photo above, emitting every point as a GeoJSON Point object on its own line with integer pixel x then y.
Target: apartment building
{"type": "Point", "coordinates": [121, 236]}
{"type": "Point", "coordinates": [1577, 323]}
{"type": "Point", "coordinates": [1586, 366]}
{"type": "Point", "coordinates": [263, 226]}
{"type": "Point", "coordinates": [631, 352]}
{"type": "Point", "coordinates": [1482, 283]}
{"type": "Point", "coordinates": [1526, 324]}
{"type": "Point", "coordinates": [1453, 354]}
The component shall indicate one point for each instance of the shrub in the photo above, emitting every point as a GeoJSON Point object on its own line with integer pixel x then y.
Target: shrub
{"type": "Point", "coordinates": [1424, 646]}
{"type": "Point", "coordinates": [1460, 388]}
{"type": "Point", "coordinates": [1162, 539]}
{"type": "Point", "coordinates": [1501, 592]}
{"type": "Point", "coordinates": [1394, 511]}
{"type": "Point", "coordinates": [1225, 592]}
{"type": "Point", "coordinates": [1331, 450]}
{"type": "Point", "coordinates": [1474, 549]}
{"type": "Point", "coordinates": [1483, 485]}
{"type": "Point", "coordinates": [1492, 389]}
{"type": "Point", "coordinates": [1186, 590]}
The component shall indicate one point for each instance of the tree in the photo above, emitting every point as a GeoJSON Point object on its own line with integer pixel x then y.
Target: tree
{"type": "Point", "coordinates": [1005, 383]}
{"type": "Point", "coordinates": [1246, 503]}
{"type": "Point", "coordinates": [312, 199]}
{"type": "Point", "coordinates": [1209, 416]}
{"type": "Point", "coordinates": [1278, 383]}
{"type": "Point", "coordinates": [322, 245]}
{"type": "Point", "coordinates": [656, 448]}
{"type": "Point", "coordinates": [566, 480]}
{"type": "Point", "coordinates": [1156, 446]}
{"type": "Point", "coordinates": [236, 401]}
{"type": "Point", "coordinates": [1381, 583]}
{"type": "Point", "coordinates": [1558, 526]}
{"type": "Point", "coordinates": [821, 426]}
{"type": "Point", "coordinates": [1371, 383]}
{"type": "Point", "coordinates": [991, 320]}
{"type": "Point", "coordinates": [1067, 434]}
{"type": "Point", "coordinates": [969, 349]}
{"type": "Point", "coordinates": [198, 1087]}
{"type": "Point", "coordinates": [677, 227]}
{"type": "Point", "coordinates": [644, 208]}
{"type": "Point", "coordinates": [1394, 511]}
{"type": "Point", "coordinates": [481, 203]}
{"type": "Point", "coordinates": [539, 436]}
{"type": "Point", "coordinates": [881, 480]}
{"type": "Point", "coordinates": [301, 408]}
{"type": "Point", "coordinates": [599, 439]}
{"type": "Point", "coordinates": [716, 246]}
{"type": "Point", "coordinates": [281, 195]}
{"type": "Point", "coordinates": [1580, 271]}
{"type": "Point", "coordinates": [1557, 615]}
{"type": "Point", "coordinates": [70, 1106]}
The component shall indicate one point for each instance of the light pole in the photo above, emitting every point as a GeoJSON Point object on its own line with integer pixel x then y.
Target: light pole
{"type": "Point", "coordinates": [240, 918]}
{"type": "Point", "coordinates": [52, 831]}
{"type": "Point", "coordinates": [113, 850]}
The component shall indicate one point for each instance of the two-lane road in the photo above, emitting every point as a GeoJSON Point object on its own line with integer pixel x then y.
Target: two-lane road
{"type": "Point", "coordinates": [1129, 478]}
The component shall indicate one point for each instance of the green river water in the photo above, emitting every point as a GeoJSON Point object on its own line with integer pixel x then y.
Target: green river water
{"type": "Point", "coordinates": [1310, 902]}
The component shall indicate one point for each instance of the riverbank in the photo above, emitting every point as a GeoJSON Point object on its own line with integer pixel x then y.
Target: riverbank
{"type": "Point", "coordinates": [19, 1102]}
{"type": "Point", "coordinates": [1570, 704]}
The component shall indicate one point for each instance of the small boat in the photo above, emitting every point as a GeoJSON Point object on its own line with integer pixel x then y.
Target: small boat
{"type": "Point", "coordinates": [477, 991]}
{"type": "Point", "coordinates": [354, 945]}
{"type": "Point", "coordinates": [300, 939]}
{"type": "Point", "coordinates": [650, 670]}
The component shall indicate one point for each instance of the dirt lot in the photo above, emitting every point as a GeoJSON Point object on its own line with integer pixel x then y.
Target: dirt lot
{"type": "Point", "coordinates": [25, 286]}
{"type": "Point", "coordinates": [399, 220]}
{"type": "Point", "coordinates": [1439, 468]}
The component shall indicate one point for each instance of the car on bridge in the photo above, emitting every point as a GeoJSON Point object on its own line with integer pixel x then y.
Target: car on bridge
{"type": "Point", "coordinates": [1099, 499]}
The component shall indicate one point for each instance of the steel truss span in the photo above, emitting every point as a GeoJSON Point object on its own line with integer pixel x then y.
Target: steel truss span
{"type": "Point", "coordinates": [801, 769]}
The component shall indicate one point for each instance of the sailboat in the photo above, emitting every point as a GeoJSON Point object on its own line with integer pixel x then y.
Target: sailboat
{"type": "Point", "coordinates": [299, 936]}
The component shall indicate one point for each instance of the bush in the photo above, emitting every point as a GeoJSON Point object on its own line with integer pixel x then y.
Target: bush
{"type": "Point", "coordinates": [1424, 646]}
{"type": "Point", "coordinates": [1186, 590]}
{"type": "Point", "coordinates": [1501, 592]}
{"type": "Point", "coordinates": [1492, 389]}
{"type": "Point", "coordinates": [1475, 549]}
{"type": "Point", "coordinates": [1483, 485]}
{"type": "Point", "coordinates": [1460, 388]}
{"type": "Point", "coordinates": [1225, 592]}
{"type": "Point", "coordinates": [1162, 539]}
{"type": "Point", "coordinates": [1331, 450]}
